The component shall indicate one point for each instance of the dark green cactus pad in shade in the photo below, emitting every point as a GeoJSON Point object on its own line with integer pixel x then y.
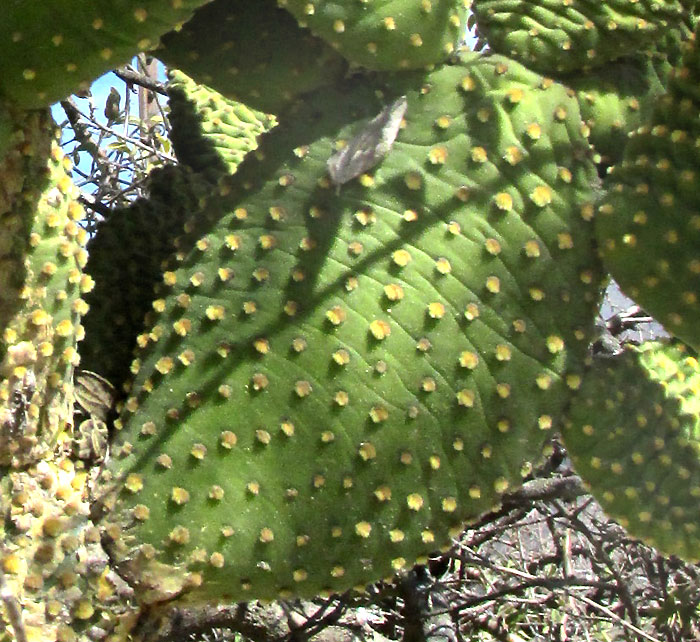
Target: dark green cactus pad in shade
{"type": "Point", "coordinates": [649, 220]}
{"type": "Point", "coordinates": [51, 48]}
{"type": "Point", "coordinates": [340, 375]}
{"type": "Point", "coordinates": [616, 99]}
{"type": "Point", "coordinates": [633, 438]}
{"type": "Point", "coordinates": [384, 34]}
{"type": "Point", "coordinates": [553, 36]}
{"type": "Point", "coordinates": [257, 55]}
{"type": "Point", "coordinates": [126, 262]}
{"type": "Point", "coordinates": [41, 259]}
{"type": "Point", "coordinates": [211, 134]}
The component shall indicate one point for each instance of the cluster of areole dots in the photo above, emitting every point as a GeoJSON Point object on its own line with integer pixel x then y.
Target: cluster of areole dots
{"type": "Point", "coordinates": [445, 514]}
{"type": "Point", "coordinates": [23, 351]}
{"type": "Point", "coordinates": [537, 35]}
{"type": "Point", "coordinates": [48, 508]}
{"type": "Point", "coordinates": [41, 340]}
{"type": "Point", "coordinates": [644, 474]}
{"type": "Point", "coordinates": [231, 127]}
{"type": "Point", "coordinates": [649, 223]}
{"type": "Point", "coordinates": [50, 77]}
{"type": "Point", "coordinates": [67, 65]}
{"type": "Point", "coordinates": [115, 314]}
{"type": "Point", "coordinates": [415, 36]}
{"type": "Point", "coordinates": [214, 49]}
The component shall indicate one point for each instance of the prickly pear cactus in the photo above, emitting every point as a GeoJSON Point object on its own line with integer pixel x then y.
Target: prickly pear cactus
{"type": "Point", "coordinates": [52, 561]}
{"type": "Point", "coordinates": [18, 131]}
{"type": "Point", "coordinates": [42, 256]}
{"type": "Point", "coordinates": [261, 58]}
{"type": "Point", "coordinates": [365, 335]}
{"type": "Point", "coordinates": [47, 52]}
{"type": "Point", "coordinates": [211, 134]}
{"type": "Point", "coordinates": [341, 374]}
{"type": "Point", "coordinates": [383, 34]}
{"type": "Point", "coordinates": [648, 222]}
{"type": "Point", "coordinates": [552, 36]}
{"type": "Point", "coordinates": [616, 99]}
{"type": "Point", "coordinates": [633, 436]}
{"type": "Point", "coordinates": [126, 262]}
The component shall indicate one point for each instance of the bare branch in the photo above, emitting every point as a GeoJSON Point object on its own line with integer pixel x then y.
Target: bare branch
{"type": "Point", "coordinates": [131, 141]}
{"type": "Point", "coordinates": [256, 622]}
{"type": "Point", "coordinates": [81, 132]}
{"type": "Point", "coordinates": [132, 77]}
{"type": "Point", "coordinates": [617, 618]}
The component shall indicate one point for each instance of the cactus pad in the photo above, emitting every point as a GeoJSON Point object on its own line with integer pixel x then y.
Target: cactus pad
{"type": "Point", "coordinates": [553, 36]}
{"type": "Point", "coordinates": [258, 56]}
{"type": "Point", "coordinates": [125, 262]}
{"type": "Point", "coordinates": [40, 298]}
{"type": "Point", "coordinates": [49, 49]}
{"type": "Point", "coordinates": [633, 437]}
{"type": "Point", "coordinates": [383, 34]}
{"type": "Point", "coordinates": [649, 221]}
{"type": "Point", "coordinates": [616, 99]}
{"type": "Point", "coordinates": [211, 134]}
{"type": "Point", "coordinates": [341, 374]}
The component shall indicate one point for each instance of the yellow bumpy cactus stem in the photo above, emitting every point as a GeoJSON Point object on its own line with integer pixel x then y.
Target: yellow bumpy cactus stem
{"type": "Point", "coordinates": [42, 255]}
{"type": "Point", "coordinates": [53, 567]}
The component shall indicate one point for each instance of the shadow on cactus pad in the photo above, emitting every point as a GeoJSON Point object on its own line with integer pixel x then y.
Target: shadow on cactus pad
{"type": "Point", "coordinates": [260, 57]}
{"type": "Point", "coordinates": [341, 374]}
{"type": "Point", "coordinates": [648, 223]}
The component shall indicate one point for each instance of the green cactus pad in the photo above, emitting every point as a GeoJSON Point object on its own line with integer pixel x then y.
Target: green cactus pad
{"type": "Point", "coordinates": [340, 375]}
{"type": "Point", "coordinates": [616, 99]}
{"type": "Point", "coordinates": [211, 134]}
{"type": "Point", "coordinates": [553, 36]}
{"type": "Point", "coordinates": [258, 56]}
{"type": "Point", "coordinates": [383, 34]}
{"type": "Point", "coordinates": [51, 48]}
{"type": "Point", "coordinates": [649, 222]}
{"type": "Point", "coordinates": [633, 437]}
{"type": "Point", "coordinates": [126, 261]}
{"type": "Point", "coordinates": [40, 301]}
